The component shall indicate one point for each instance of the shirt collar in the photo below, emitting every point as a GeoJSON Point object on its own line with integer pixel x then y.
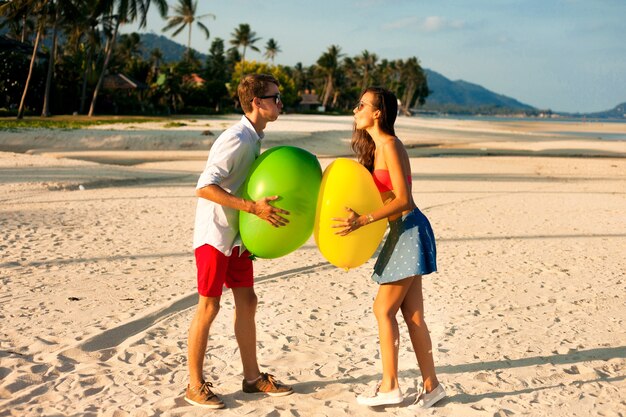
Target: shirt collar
{"type": "Point", "coordinates": [246, 122]}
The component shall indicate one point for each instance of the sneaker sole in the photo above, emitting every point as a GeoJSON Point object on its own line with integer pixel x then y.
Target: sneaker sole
{"type": "Point", "coordinates": [430, 403]}
{"type": "Point", "coordinates": [211, 406]}
{"type": "Point", "coordinates": [271, 394]}
{"type": "Point", "coordinates": [378, 404]}
{"type": "Point", "coordinates": [436, 399]}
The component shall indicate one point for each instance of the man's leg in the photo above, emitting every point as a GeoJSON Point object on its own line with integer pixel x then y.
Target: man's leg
{"type": "Point", "coordinates": [198, 391]}
{"type": "Point", "coordinates": [207, 310]}
{"type": "Point", "coordinates": [254, 381]}
{"type": "Point", "coordinates": [245, 330]}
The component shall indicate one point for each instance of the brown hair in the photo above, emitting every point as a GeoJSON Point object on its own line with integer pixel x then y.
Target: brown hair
{"type": "Point", "coordinates": [362, 143]}
{"type": "Point", "coordinates": [251, 86]}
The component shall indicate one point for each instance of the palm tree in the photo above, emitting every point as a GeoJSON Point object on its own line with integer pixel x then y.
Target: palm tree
{"type": "Point", "coordinates": [300, 77]}
{"type": "Point", "coordinates": [59, 11]}
{"type": "Point", "coordinates": [36, 8]}
{"type": "Point", "coordinates": [243, 36]}
{"type": "Point", "coordinates": [328, 63]}
{"type": "Point", "coordinates": [83, 38]}
{"type": "Point", "coordinates": [414, 86]}
{"type": "Point", "coordinates": [21, 108]}
{"type": "Point", "coordinates": [156, 56]}
{"type": "Point", "coordinates": [116, 12]}
{"type": "Point", "coordinates": [185, 15]}
{"type": "Point", "coordinates": [390, 74]}
{"type": "Point", "coordinates": [18, 18]}
{"type": "Point", "coordinates": [55, 14]}
{"type": "Point", "coordinates": [128, 47]}
{"type": "Point", "coordinates": [216, 67]}
{"type": "Point", "coordinates": [271, 49]}
{"type": "Point", "coordinates": [367, 63]}
{"type": "Point", "coordinates": [351, 76]}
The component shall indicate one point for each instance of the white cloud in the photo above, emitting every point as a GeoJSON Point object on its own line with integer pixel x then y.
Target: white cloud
{"type": "Point", "coordinates": [429, 24]}
{"type": "Point", "coordinates": [438, 23]}
{"type": "Point", "coordinates": [433, 24]}
{"type": "Point", "coordinates": [402, 23]}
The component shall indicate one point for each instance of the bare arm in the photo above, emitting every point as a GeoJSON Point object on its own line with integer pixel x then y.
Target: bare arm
{"type": "Point", "coordinates": [394, 154]}
{"type": "Point", "coordinates": [397, 162]}
{"type": "Point", "coordinates": [261, 208]}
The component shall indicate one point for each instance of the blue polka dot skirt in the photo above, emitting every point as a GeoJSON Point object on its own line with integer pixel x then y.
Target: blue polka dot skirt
{"type": "Point", "coordinates": [408, 250]}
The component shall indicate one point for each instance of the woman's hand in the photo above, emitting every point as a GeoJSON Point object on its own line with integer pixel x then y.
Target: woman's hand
{"type": "Point", "coordinates": [349, 224]}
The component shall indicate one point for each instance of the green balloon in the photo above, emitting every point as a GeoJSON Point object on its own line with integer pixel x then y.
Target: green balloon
{"type": "Point", "coordinates": [295, 176]}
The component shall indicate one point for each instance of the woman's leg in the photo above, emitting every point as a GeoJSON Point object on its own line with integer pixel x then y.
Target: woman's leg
{"type": "Point", "coordinates": [413, 312]}
{"type": "Point", "coordinates": [386, 305]}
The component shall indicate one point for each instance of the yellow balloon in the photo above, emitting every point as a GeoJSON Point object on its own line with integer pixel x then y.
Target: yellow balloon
{"type": "Point", "coordinates": [346, 183]}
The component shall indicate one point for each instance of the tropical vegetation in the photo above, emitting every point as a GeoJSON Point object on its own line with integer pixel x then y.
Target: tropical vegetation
{"type": "Point", "coordinates": [68, 57]}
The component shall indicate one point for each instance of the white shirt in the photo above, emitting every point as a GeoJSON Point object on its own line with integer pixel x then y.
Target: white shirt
{"type": "Point", "coordinates": [228, 165]}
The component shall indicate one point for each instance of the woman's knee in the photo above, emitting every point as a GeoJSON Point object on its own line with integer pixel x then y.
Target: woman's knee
{"type": "Point", "coordinates": [384, 312]}
{"type": "Point", "coordinates": [413, 317]}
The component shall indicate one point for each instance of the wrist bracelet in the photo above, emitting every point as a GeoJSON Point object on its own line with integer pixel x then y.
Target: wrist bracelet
{"type": "Point", "coordinates": [370, 218]}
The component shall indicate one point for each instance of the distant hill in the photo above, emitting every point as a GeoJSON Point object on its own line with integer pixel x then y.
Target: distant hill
{"type": "Point", "coordinates": [617, 112]}
{"type": "Point", "coordinates": [448, 96]}
{"type": "Point", "coordinates": [462, 96]}
{"type": "Point", "coordinates": [172, 51]}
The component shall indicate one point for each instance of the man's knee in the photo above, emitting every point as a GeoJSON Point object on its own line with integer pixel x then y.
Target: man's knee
{"type": "Point", "coordinates": [208, 307]}
{"type": "Point", "coordinates": [245, 299]}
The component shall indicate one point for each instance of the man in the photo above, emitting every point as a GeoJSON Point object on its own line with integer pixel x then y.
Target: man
{"type": "Point", "coordinates": [220, 258]}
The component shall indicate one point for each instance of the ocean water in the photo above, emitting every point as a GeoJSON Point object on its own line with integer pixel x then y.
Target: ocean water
{"type": "Point", "coordinates": [553, 122]}
{"type": "Point", "coordinates": [596, 135]}
{"type": "Point", "coordinates": [524, 119]}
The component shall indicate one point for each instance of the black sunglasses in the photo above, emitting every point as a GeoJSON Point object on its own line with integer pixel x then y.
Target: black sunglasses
{"type": "Point", "coordinates": [359, 106]}
{"type": "Point", "coordinates": [276, 98]}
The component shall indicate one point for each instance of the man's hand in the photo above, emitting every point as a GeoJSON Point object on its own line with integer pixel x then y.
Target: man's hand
{"type": "Point", "coordinates": [263, 209]}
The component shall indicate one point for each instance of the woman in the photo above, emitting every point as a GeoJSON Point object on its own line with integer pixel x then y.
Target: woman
{"type": "Point", "coordinates": [407, 254]}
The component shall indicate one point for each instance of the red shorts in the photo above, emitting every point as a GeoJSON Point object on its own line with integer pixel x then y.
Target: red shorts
{"type": "Point", "coordinates": [216, 270]}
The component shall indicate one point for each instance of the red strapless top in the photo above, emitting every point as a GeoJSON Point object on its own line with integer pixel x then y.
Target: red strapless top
{"type": "Point", "coordinates": [383, 180]}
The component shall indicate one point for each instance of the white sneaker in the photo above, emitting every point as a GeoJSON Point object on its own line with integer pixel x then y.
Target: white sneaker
{"type": "Point", "coordinates": [381, 398]}
{"type": "Point", "coordinates": [428, 399]}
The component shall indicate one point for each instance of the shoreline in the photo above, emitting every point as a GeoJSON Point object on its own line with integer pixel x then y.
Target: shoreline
{"type": "Point", "coordinates": [325, 136]}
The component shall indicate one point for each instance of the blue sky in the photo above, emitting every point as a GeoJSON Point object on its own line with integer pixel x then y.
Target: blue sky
{"type": "Point", "coordinates": [565, 55]}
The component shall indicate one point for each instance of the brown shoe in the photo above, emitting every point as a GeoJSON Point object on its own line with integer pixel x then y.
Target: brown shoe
{"type": "Point", "coordinates": [202, 396]}
{"type": "Point", "coordinates": [266, 384]}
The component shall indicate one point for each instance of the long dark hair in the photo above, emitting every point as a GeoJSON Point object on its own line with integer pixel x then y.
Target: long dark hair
{"type": "Point", "coordinates": [362, 143]}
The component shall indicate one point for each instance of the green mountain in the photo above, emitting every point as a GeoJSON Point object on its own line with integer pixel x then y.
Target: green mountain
{"type": "Point", "coordinates": [464, 97]}
{"type": "Point", "coordinates": [446, 95]}
{"type": "Point", "coordinates": [617, 112]}
{"type": "Point", "coordinates": [171, 50]}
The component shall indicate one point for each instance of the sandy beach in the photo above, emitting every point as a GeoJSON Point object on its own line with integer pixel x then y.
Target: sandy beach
{"type": "Point", "coordinates": [527, 312]}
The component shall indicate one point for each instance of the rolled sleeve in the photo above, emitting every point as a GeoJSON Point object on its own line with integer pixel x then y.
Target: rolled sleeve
{"type": "Point", "coordinates": [212, 175]}
{"type": "Point", "coordinates": [223, 159]}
